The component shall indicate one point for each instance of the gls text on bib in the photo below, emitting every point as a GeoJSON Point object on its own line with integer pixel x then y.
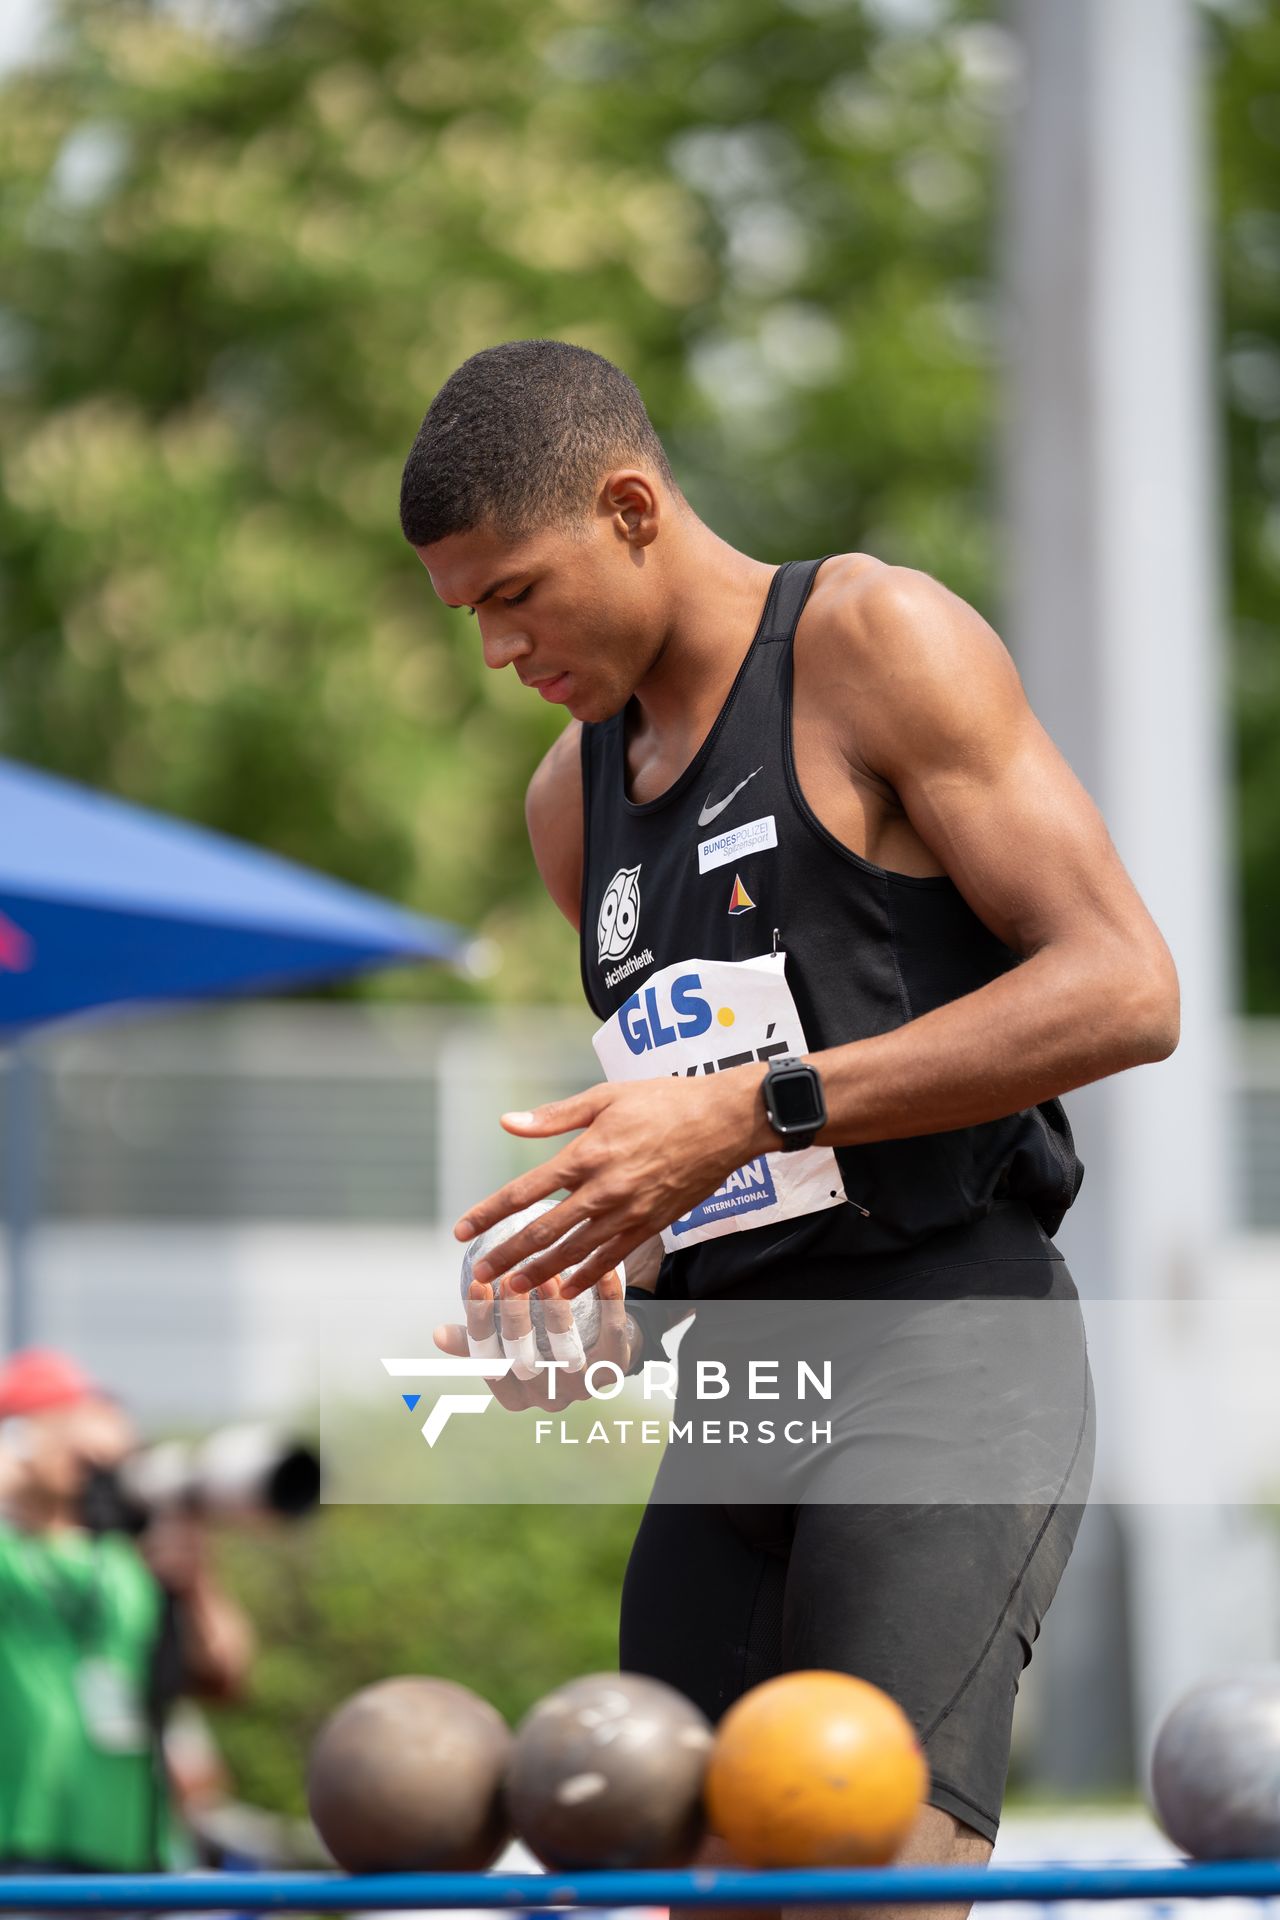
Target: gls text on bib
{"type": "Point", "coordinates": [704, 1017]}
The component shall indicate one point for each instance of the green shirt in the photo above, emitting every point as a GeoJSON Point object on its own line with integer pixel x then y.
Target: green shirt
{"type": "Point", "coordinates": [79, 1618]}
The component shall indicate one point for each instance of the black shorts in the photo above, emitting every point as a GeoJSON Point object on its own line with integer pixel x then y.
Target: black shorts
{"type": "Point", "coordinates": [938, 1603]}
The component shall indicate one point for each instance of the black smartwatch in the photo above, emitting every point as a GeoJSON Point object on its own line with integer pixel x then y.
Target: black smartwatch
{"type": "Point", "coordinates": [793, 1101]}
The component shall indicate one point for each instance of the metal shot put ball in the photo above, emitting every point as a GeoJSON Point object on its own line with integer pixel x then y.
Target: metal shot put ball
{"type": "Point", "coordinates": [1215, 1770]}
{"type": "Point", "coordinates": [586, 1307]}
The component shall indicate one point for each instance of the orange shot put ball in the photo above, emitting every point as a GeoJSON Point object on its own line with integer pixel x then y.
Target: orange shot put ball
{"type": "Point", "coordinates": [815, 1770]}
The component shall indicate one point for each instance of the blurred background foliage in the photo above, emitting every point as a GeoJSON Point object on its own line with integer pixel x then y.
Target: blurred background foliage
{"type": "Point", "coordinates": [242, 242]}
{"type": "Point", "coordinates": [1245, 102]}
{"type": "Point", "coordinates": [508, 1600]}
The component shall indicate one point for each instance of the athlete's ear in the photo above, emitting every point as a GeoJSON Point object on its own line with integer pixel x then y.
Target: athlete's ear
{"type": "Point", "coordinates": [629, 498]}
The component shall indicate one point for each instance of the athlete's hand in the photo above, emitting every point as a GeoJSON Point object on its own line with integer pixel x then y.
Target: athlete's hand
{"type": "Point", "coordinates": [509, 1312]}
{"type": "Point", "coordinates": [649, 1150]}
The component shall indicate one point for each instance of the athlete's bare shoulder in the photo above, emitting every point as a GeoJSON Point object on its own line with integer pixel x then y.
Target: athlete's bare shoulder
{"type": "Point", "coordinates": [859, 603]}
{"type": "Point", "coordinates": [930, 696]}
{"type": "Point", "coordinates": [895, 650]}
{"type": "Point", "coordinates": [553, 811]}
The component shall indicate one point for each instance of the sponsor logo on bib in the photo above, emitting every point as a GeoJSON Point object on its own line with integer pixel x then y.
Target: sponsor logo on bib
{"type": "Point", "coordinates": [700, 1017]}
{"type": "Point", "coordinates": [750, 1187]}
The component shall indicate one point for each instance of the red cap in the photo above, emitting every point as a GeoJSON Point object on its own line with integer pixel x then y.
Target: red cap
{"type": "Point", "coordinates": [38, 1378]}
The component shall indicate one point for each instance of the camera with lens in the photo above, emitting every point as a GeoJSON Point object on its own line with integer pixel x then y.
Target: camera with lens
{"type": "Point", "coordinates": [240, 1472]}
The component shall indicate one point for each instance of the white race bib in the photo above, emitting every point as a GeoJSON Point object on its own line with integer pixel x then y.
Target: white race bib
{"type": "Point", "coordinates": [706, 1016]}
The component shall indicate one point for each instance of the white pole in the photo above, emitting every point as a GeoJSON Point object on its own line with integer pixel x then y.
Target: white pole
{"type": "Point", "coordinates": [1115, 616]}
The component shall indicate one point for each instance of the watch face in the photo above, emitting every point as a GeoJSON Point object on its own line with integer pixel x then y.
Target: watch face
{"type": "Point", "coordinates": [795, 1099]}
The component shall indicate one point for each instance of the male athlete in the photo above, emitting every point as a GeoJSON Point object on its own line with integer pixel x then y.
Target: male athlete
{"type": "Point", "coordinates": [822, 785]}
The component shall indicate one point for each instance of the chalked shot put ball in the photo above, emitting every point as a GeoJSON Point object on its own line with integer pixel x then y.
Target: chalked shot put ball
{"type": "Point", "coordinates": [607, 1772]}
{"type": "Point", "coordinates": [406, 1776]}
{"type": "Point", "coordinates": [1215, 1768]}
{"type": "Point", "coordinates": [585, 1307]}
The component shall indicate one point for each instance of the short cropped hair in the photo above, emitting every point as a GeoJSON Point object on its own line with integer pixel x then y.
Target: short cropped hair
{"type": "Point", "coordinates": [519, 438]}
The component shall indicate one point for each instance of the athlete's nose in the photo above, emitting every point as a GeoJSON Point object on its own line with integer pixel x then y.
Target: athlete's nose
{"type": "Point", "coordinates": [501, 650]}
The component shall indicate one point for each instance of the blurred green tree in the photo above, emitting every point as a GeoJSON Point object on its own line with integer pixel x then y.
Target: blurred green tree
{"type": "Point", "coordinates": [242, 243]}
{"type": "Point", "coordinates": [1244, 46]}
{"type": "Point", "coordinates": [511, 1601]}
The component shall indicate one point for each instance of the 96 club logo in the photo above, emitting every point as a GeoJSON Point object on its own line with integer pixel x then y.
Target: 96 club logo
{"type": "Point", "coordinates": [619, 918]}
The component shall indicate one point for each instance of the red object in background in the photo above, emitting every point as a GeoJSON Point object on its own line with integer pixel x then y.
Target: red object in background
{"type": "Point", "coordinates": [38, 1378]}
{"type": "Point", "coordinates": [17, 951]}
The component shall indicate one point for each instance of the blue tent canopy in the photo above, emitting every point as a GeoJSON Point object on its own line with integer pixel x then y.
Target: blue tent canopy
{"type": "Point", "coordinates": [102, 902]}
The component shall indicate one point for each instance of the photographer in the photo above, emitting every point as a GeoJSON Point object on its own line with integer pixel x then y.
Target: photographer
{"type": "Point", "coordinates": [100, 1631]}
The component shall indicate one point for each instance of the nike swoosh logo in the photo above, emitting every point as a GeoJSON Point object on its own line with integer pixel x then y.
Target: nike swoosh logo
{"type": "Point", "coordinates": [709, 812]}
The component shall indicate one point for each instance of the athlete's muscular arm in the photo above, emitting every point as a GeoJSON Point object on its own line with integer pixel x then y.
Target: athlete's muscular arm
{"type": "Point", "coordinates": [927, 700]}
{"type": "Point", "coordinates": [553, 813]}
{"type": "Point", "coordinates": [935, 707]}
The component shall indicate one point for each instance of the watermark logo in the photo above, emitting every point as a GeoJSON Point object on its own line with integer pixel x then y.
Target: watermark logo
{"type": "Point", "coordinates": [448, 1403]}
{"type": "Point", "coordinates": [604, 1380]}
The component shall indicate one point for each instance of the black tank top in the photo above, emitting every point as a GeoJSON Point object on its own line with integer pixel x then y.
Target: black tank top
{"type": "Point", "coordinates": [708, 871]}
